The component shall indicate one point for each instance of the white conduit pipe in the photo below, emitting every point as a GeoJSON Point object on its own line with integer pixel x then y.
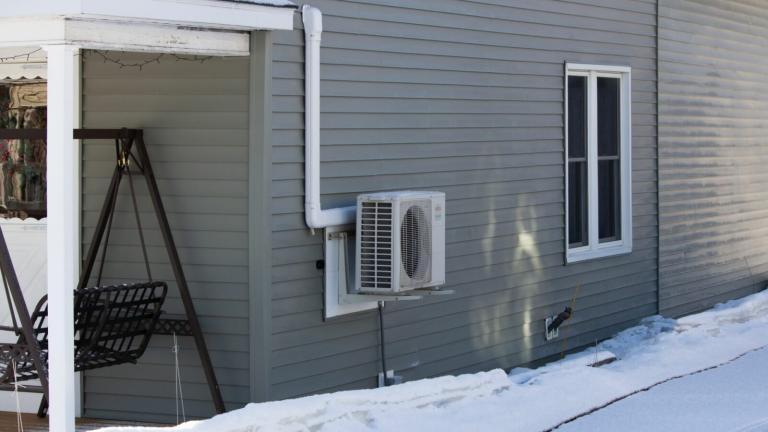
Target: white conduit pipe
{"type": "Point", "coordinates": [315, 216]}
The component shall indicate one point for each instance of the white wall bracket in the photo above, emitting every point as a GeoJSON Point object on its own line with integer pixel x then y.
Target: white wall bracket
{"type": "Point", "coordinates": [341, 298]}
{"type": "Point", "coordinates": [339, 244]}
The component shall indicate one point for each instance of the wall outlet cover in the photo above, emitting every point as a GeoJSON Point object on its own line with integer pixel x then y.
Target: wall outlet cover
{"type": "Point", "coordinates": [554, 334]}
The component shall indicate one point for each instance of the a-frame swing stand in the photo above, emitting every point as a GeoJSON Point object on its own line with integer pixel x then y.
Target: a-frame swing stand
{"type": "Point", "coordinates": [98, 310]}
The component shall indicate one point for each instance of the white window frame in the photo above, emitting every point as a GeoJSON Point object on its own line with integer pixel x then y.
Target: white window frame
{"type": "Point", "coordinates": [594, 249]}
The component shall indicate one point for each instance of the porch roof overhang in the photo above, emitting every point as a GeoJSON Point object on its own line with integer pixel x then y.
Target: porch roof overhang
{"type": "Point", "coordinates": [205, 27]}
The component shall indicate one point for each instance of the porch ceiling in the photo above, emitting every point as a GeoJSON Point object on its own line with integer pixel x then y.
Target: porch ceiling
{"type": "Point", "coordinates": [209, 27]}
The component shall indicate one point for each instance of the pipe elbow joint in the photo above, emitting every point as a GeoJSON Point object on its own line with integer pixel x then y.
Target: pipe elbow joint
{"type": "Point", "coordinates": [313, 20]}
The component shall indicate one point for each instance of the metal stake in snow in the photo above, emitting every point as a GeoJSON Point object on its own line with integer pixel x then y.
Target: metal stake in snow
{"type": "Point", "coordinates": [177, 379]}
{"type": "Point", "coordinates": [19, 420]}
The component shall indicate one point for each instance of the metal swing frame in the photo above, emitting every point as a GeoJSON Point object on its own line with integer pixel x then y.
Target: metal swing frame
{"type": "Point", "coordinates": [98, 311]}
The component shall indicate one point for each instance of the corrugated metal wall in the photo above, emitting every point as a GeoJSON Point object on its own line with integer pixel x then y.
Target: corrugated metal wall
{"type": "Point", "coordinates": [713, 149]}
{"type": "Point", "coordinates": [195, 118]}
{"type": "Point", "coordinates": [464, 97]}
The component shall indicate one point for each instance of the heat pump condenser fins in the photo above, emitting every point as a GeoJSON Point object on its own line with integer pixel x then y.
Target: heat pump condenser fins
{"type": "Point", "coordinates": [376, 245]}
{"type": "Point", "coordinates": [415, 242]}
{"type": "Point", "coordinates": [400, 241]}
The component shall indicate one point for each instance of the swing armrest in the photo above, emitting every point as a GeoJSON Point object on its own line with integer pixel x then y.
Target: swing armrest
{"type": "Point", "coordinates": [10, 329]}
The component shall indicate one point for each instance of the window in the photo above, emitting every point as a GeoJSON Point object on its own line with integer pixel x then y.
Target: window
{"type": "Point", "coordinates": [598, 161]}
{"type": "Point", "coordinates": [22, 161]}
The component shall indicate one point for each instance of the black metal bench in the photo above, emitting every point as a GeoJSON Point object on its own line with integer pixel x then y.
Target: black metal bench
{"type": "Point", "coordinates": [113, 325]}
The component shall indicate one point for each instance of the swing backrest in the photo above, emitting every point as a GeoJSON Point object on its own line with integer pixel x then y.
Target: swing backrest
{"type": "Point", "coordinates": [113, 324]}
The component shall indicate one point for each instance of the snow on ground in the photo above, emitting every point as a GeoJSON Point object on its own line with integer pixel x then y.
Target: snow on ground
{"type": "Point", "coordinates": [657, 350]}
{"type": "Point", "coordinates": [733, 397]}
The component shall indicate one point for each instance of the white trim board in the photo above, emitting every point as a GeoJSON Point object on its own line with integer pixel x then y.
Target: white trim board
{"type": "Point", "coordinates": [121, 36]}
{"type": "Point", "coordinates": [595, 249]}
{"type": "Point", "coordinates": [339, 273]}
{"type": "Point", "coordinates": [199, 13]}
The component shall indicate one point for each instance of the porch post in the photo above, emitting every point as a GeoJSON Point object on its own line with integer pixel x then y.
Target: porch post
{"type": "Point", "coordinates": [62, 235]}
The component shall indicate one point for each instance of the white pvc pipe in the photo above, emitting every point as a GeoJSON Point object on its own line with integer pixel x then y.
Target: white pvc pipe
{"type": "Point", "coordinates": [314, 215]}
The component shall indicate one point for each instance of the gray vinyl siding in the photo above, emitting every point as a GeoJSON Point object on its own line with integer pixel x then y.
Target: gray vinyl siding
{"type": "Point", "coordinates": [195, 117]}
{"type": "Point", "coordinates": [464, 97]}
{"type": "Point", "coordinates": [713, 149]}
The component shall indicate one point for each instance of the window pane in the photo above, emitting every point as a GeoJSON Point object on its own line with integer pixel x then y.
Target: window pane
{"type": "Point", "coordinates": [577, 116]}
{"type": "Point", "coordinates": [577, 204]}
{"type": "Point", "coordinates": [608, 116]}
{"type": "Point", "coordinates": [22, 162]}
{"type": "Point", "coordinates": [609, 194]}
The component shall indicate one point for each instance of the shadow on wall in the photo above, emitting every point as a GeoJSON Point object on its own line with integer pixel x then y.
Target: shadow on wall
{"type": "Point", "coordinates": [524, 251]}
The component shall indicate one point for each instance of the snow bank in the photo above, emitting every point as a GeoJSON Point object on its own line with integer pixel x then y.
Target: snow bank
{"type": "Point", "coordinates": [357, 407]}
{"type": "Point", "coordinates": [528, 400]}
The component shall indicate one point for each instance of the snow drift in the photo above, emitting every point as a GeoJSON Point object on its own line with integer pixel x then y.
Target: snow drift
{"type": "Point", "coordinates": [657, 350]}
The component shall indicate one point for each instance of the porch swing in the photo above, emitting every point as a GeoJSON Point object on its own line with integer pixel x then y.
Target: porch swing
{"type": "Point", "coordinates": [113, 324]}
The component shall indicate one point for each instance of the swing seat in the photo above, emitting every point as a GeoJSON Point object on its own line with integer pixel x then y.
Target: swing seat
{"type": "Point", "coordinates": [113, 325]}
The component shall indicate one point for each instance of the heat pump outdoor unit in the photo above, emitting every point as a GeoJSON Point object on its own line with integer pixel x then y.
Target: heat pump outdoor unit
{"type": "Point", "coordinates": [400, 241]}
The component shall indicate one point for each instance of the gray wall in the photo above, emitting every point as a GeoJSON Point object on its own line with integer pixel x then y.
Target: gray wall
{"type": "Point", "coordinates": [713, 65]}
{"type": "Point", "coordinates": [195, 118]}
{"type": "Point", "coordinates": [465, 97]}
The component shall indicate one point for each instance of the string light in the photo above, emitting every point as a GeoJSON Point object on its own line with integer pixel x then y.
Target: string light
{"type": "Point", "coordinates": [156, 59]}
{"type": "Point", "coordinates": [26, 56]}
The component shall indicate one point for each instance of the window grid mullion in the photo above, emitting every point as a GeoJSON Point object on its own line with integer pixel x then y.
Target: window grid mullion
{"type": "Point", "coordinates": [593, 197]}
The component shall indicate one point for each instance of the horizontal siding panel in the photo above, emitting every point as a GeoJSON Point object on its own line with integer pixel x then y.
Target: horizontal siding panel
{"type": "Point", "coordinates": [464, 97]}
{"type": "Point", "coordinates": [195, 121]}
{"type": "Point", "coordinates": [712, 58]}
{"type": "Point", "coordinates": [500, 342]}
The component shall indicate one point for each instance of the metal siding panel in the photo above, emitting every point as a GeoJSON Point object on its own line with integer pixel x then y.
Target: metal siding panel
{"type": "Point", "coordinates": [463, 97]}
{"type": "Point", "coordinates": [712, 146]}
{"type": "Point", "coordinates": [195, 117]}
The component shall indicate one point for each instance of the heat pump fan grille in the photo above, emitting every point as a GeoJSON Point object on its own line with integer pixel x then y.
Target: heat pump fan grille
{"type": "Point", "coordinates": [376, 245]}
{"type": "Point", "coordinates": [416, 243]}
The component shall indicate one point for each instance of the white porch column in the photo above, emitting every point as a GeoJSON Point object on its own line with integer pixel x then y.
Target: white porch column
{"type": "Point", "coordinates": [62, 235]}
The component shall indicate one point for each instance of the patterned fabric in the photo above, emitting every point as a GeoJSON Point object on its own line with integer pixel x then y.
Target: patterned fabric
{"type": "Point", "coordinates": [23, 162]}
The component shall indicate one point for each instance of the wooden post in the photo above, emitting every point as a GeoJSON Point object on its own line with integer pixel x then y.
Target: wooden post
{"type": "Point", "coordinates": [62, 184]}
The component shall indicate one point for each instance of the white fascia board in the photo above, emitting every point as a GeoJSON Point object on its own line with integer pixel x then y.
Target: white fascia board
{"type": "Point", "coordinates": [198, 13]}
{"type": "Point", "coordinates": [145, 37]}
{"type": "Point", "coordinates": [16, 32]}
{"type": "Point", "coordinates": [112, 35]}
{"type": "Point", "coordinates": [204, 13]}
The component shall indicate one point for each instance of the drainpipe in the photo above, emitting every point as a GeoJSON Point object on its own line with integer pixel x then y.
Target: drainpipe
{"type": "Point", "coordinates": [315, 216]}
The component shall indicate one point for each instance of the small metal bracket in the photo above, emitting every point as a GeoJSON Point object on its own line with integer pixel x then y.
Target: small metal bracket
{"type": "Point", "coordinates": [339, 247]}
{"type": "Point", "coordinates": [416, 294]}
{"type": "Point", "coordinates": [180, 327]}
{"type": "Point", "coordinates": [391, 379]}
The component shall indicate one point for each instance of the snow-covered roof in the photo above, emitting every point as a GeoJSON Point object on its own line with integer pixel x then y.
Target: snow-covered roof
{"type": "Point", "coordinates": [276, 3]}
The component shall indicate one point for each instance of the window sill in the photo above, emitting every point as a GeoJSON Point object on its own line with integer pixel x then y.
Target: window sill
{"type": "Point", "coordinates": [591, 254]}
